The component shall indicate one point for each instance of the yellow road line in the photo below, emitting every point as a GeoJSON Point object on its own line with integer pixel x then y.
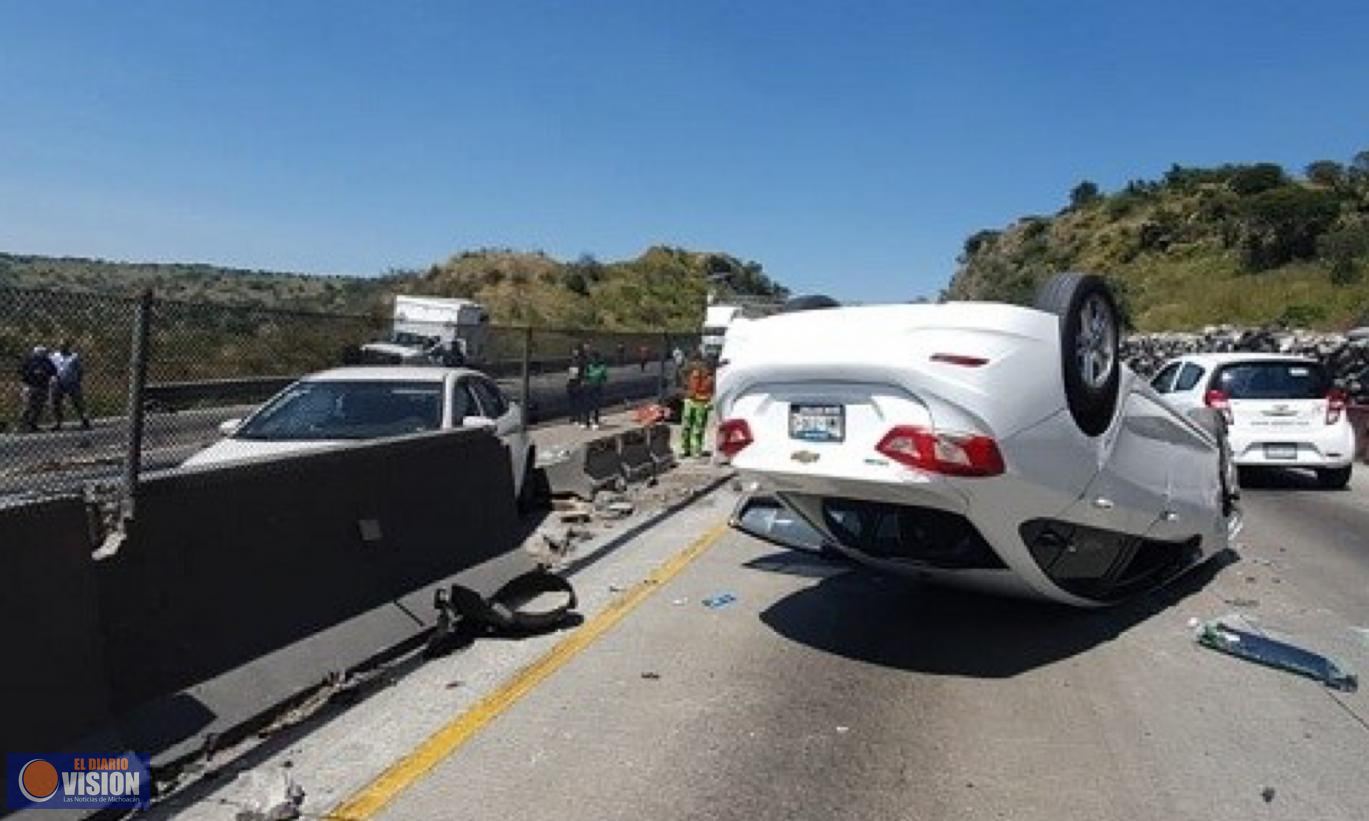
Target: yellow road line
{"type": "Point", "coordinates": [367, 801]}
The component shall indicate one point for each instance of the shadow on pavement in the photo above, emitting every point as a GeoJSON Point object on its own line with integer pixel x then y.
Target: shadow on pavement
{"type": "Point", "coordinates": [1284, 479]}
{"type": "Point", "coordinates": [905, 625]}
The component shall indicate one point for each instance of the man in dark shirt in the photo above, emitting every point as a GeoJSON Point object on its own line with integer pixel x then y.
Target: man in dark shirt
{"type": "Point", "coordinates": [36, 373]}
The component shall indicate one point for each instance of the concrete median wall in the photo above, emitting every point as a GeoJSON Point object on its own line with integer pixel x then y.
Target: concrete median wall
{"type": "Point", "coordinates": [239, 587]}
{"type": "Point", "coordinates": [613, 458]}
{"type": "Point", "coordinates": [54, 686]}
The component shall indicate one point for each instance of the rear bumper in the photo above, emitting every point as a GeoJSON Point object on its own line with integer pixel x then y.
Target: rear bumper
{"type": "Point", "coordinates": [1331, 447]}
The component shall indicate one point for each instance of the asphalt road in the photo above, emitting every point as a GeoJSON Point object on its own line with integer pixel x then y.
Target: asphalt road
{"type": "Point", "coordinates": [825, 691]}
{"type": "Point", "coordinates": [59, 460]}
{"type": "Point", "coordinates": [830, 693]}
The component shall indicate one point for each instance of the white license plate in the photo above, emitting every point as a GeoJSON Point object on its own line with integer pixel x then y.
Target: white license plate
{"type": "Point", "coordinates": [817, 423]}
{"type": "Point", "coordinates": [1281, 451]}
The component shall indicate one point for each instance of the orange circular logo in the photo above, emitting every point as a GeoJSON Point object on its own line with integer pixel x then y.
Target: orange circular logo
{"type": "Point", "coordinates": [38, 780]}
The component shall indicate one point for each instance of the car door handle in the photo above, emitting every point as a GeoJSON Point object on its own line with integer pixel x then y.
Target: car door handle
{"type": "Point", "coordinates": [1103, 503]}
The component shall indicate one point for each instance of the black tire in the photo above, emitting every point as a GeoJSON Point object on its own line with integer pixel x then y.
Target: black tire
{"type": "Point", "coordinates": [1334, 478]}
{"type": "Point", "coordinates": [1090, 359]}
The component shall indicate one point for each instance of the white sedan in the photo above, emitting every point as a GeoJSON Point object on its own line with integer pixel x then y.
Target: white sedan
{"type": "Point", "coordinates": [344, 405]}
{"type": "Point", "coordinates": [1281, 410]}
{"type": "Point", "coordinates": [999, 447]}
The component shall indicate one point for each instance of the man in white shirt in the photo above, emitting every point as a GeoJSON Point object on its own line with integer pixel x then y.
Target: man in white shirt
{"type": "Point", "coordinates": [67, 384]}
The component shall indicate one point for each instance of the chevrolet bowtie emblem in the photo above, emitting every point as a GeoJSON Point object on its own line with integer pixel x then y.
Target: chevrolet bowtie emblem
{"type": "Point", "coordinates": [806, 457]}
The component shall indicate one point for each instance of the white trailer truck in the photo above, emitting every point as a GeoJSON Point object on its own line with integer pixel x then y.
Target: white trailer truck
{"type": "Point", "coordinates": [433, 329]}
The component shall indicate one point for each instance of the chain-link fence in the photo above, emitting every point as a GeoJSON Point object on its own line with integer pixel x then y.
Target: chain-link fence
{"type": "Point", "coordinates": [98, 379]}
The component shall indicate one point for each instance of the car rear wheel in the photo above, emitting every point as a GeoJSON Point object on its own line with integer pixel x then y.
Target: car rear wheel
{"type": "Point", "coordinates": [1334, 478]}
{"type": "Point", "coordinates": [1090, 336]}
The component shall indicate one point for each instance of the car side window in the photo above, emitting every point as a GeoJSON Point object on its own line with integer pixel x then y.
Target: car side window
{"type": "Point", "coordinates": [1165, 378]}
{"type": "Point", "coordinates": [1189, 377]}
{"type": "Point", "coordinates": [463, 403]}
{"type": "Point", "coordinates": [491, 400]}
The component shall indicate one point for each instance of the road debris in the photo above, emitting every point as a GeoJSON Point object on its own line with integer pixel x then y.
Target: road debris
{"type": "Point", "coordinates": [719, 600]}
{"type": "Point", "coordinates": [1219, 635]}
{"type": "Point", "coordinates": [1267, 794]}
{"type": "Point", "coordinates": [680, 601]}
{"type": "Point", "coordinates": [1239, 602]}
{"type": "Point", "coordinates": [651, 676]}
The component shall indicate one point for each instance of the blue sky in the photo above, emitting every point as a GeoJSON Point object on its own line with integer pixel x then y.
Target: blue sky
{"type": "Point", "coordinates": [850, 147]}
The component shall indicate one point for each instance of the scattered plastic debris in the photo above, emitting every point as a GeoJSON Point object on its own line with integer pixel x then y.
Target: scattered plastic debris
{"type": "Point", "coordinates": [1267, 794]}
{"type": "Point", "coordinates": [616, 588]}
{"type": "Point", "coordinates": [455, 683]}
{"type": "Point", "coordinates": [620, 508]}
{"type": "Point", "coordinates": [1221, 636]}
{"type": "Point", "coordinates": [841, 728]}
{"type": "Point", "coordinates": [1239, 602]}
{"type": "Point", "coordinates": [680, 601]}
{"type": "Point", "coordinates": [651, 676]}
{"type": "Point", "coordinates": [720, 600]}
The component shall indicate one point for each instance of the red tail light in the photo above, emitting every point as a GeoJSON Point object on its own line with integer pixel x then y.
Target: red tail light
{"type": "Point", "coordinates": [733, 435]}
{"type": "Point", "coordinates": [953, 454]}
{"type": "Point", "coordinates": [960, 359]}
{"type": "Point", "coordinates": [1335, 405]}
{"type": "Point", "coordinates": [1219, 401]}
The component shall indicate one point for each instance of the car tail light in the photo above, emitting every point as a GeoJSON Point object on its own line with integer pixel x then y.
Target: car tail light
{"type": "Point", "coordinates": [950, 453]}
{"type": "Point", "coordinates": [1335, 405]}
{"type": "Point", "coordinates": [1219, 401]}
{"type": "Point", "coordinates": [733, 435]}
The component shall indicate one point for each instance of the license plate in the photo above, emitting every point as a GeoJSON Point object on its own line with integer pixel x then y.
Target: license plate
{"type": "Point", "coordinates": [817, 423]}
{"type": "Point", "coordinates": [1280, 451]}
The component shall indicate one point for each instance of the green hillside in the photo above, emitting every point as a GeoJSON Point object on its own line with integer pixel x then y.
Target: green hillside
{"type": "Point", "coordinates": [663, 288]}
{"type": "Point", "coordinates": [1248, 244]}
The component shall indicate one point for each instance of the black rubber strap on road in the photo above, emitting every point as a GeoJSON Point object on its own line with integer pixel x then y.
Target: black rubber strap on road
{"type": "Point", "coordinates": [505, 610]}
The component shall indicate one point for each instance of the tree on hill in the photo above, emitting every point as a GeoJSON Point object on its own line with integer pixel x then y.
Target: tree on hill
{"type": "Point", "coordinates": [1249, 180]}
{"type": "Point", "coordinates": [1084, 194]}
{"type": "Point", "coordinates": [1325, 172]}
{"type": "Point", "coordinates": [1283, 224]}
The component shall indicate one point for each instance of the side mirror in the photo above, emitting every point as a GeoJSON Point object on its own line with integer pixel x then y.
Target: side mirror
{"type": "Point", "coordinates": [767, 518]}
{"type": "Point", "coordinates": [228, 427]}
{"type": "Point", "coordinates": [479, 422]}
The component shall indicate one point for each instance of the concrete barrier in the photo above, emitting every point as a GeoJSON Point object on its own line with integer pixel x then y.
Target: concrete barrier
{"type": "Point", "coordinates": [634, 448]}
{"type": "Point", "coordinates": [240, 586]}
{"type": "Point", "coordinates": [54, 688]}
{"type": "Point", "coordinates": [584, 469]}
{"type": "Point", "coordinates": [659, 444]}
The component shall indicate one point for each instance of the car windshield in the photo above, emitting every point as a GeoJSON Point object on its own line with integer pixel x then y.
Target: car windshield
{"type": "Point", "coordinates": [347, 410]}
{"type": "Point", "coordinates": [1274, 380]}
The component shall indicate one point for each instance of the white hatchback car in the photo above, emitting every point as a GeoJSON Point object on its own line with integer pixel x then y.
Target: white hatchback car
{"type": "Point", "coordinates": [995, 446]}
{"type": "Point", "coordinates": [1281, 410]}
{"type": "Point", "coordinates": [353, 404]}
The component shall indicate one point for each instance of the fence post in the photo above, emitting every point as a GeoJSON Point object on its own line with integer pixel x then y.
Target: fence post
{"type": "Point", "coordinates": [137, 387]}
{"type": "Point", "coordinates": [665, 357]}
{"type": "Point", "coordinates": [524, 386]}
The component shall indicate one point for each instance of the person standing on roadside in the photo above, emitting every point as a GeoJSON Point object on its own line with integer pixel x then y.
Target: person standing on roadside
{"type": "Point", "coordinates": [66, 384]}
{"type": "Point", "coordinates": [596, 376]}
{"type": "Point", "coordinates": [575, 386]}
{"type": "Point", "coordinates": [698, 402]}
{"type": "Point", "coordinates": [36, 373]}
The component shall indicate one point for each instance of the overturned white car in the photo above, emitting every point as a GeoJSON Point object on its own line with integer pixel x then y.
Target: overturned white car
{"type": "Point", "coordinates": [990, 445]}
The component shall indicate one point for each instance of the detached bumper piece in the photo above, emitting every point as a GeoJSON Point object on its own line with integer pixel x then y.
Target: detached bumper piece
{"type": "Point", "coordinates": [918, 536]}
{"type": "Point", "coordinates": [1272, 653]}
{"type": "Point", "coordinates": [1104, 565]}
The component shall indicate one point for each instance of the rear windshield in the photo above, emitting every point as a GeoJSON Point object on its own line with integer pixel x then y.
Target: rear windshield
{"type": "Point", "coordinates": [347, 410]}
{"type": "Point", "coordinates": [1273, 380]}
